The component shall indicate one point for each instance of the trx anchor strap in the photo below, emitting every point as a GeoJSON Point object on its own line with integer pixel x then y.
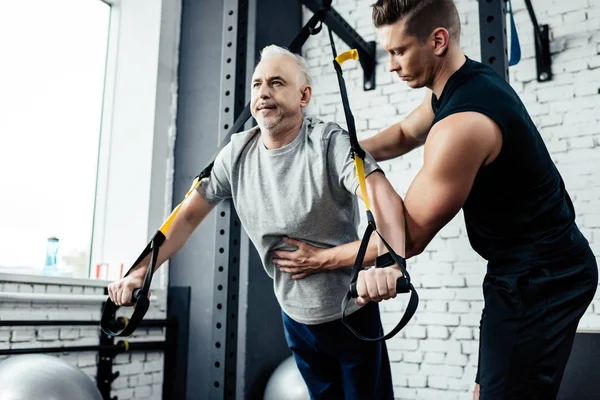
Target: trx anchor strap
{"type": "Point", "coordinates": [403, 285]}
{"type": "Point", "coordinates": [123, 326]}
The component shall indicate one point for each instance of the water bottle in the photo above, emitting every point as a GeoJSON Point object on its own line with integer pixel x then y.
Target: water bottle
{"type": "Point", "coordinates": [50, 267]}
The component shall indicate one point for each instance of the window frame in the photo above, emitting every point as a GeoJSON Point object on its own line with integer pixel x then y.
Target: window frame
{"type": "Point", "coordinates": [137, 136]}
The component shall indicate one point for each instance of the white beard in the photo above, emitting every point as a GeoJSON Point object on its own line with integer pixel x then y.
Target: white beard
{"type": "Point", "coordinates": [269, 122]}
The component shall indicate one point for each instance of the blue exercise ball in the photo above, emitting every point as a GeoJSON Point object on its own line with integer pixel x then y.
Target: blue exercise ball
{"type": "Point", "coordinates": [44, 377]}
{"type": "Point", "coordinates": [286, 383]}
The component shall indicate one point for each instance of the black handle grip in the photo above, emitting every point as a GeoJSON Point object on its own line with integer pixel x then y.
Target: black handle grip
{"type": "Point", "coordinates": [402, 286]}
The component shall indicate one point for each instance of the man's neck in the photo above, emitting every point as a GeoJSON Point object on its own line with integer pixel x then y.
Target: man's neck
{"type": "Point", "coordinates": [282, 134]}
{"type": "Point", "coordinates": [455, 59]}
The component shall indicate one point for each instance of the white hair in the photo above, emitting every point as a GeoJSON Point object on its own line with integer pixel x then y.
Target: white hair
{"type": "Point", "coordinates": [303, 68]}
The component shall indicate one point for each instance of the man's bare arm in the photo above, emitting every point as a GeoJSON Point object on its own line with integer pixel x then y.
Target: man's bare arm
{"type": "Point", "coordinates": [403, 136]}
{"type": "Point", "coordinates": [344, 255]}
{"type": "Point", "coordinates": [388, 210]}
{"type": "Point", "coordinates": [308, 259]}
{"type": "Point", "coordinates": [193, 211]}
{"type": "Point", "coordinates": [456, 149]}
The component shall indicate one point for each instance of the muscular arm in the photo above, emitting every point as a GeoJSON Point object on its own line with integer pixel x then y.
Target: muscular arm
{"type": "Point", "coordinates": [403, 136]}
{"type": "Point", "coordinates": [457, 147]}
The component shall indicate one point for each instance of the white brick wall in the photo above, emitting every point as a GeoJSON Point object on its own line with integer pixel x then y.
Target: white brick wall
{"type": "Point", "coordinates": [141, 374]}
{"type": "Point", "coordinates": [435, 356]}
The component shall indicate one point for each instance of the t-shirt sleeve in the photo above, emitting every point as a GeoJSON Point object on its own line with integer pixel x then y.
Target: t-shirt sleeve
{"type": "Point", "coordinates": [217, 186]}
{"type": "Point", "coordinates": [339, 157]}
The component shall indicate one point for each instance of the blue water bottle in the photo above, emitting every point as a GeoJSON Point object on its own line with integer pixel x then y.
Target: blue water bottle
{"type": "Point", "coordinates": [50, 267]}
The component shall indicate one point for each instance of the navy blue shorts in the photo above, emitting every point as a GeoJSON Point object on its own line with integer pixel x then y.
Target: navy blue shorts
{"type": "Point", "coordinates": [528, 327]}
{"type": "Point", "coordinates": [335, 364]}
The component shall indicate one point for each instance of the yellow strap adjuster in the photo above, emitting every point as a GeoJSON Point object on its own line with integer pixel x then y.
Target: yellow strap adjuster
{"type": "Point", "coordinates": [167, 224]}
{"type": "Point", "coordinates": [360, 172]}
{"type": "Point", "coordinates": [125, 345]}
{"type": "Point", "coordinates": [347, 55]}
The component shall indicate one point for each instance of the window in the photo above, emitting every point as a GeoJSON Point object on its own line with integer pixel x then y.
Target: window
{"type": "Point", "coordinates": [51, 95]}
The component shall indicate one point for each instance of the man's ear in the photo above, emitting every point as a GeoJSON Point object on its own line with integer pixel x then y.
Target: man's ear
{"type": "Point", "coordinates": [306, 92]}
{"type": "Point", "coordinates": [440, 41]}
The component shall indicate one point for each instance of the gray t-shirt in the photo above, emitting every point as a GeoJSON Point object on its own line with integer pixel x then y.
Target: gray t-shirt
{"type": "Point", "coordinates": [305, 190]}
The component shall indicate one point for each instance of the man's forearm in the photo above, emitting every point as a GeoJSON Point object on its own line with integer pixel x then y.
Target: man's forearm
{"type": "Point", "coordinates": [192, 212]}
{"type": "Point", "coordinates": [388, 210]}
{"type": "Point", "coordinates": [177, 236]}
{"type": "Point", "coordinates": [389, 143]}
{"type": "Point", "coordinates": [345, 255]}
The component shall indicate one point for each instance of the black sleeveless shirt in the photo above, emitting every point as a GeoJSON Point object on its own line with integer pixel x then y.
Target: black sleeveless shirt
{"type": "Point", "coordinates": [518, 213]}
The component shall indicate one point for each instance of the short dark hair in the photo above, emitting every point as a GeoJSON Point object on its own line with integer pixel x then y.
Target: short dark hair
{"type": "Point", "coordinates": [421, 16]}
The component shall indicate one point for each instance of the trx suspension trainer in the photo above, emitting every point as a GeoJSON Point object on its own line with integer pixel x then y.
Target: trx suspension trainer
{"type": "Point", "coordinates": [123, 326]}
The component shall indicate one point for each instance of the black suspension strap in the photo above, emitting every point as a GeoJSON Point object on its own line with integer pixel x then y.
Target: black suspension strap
{"type": "Point", "coordinates": [403, 285]}
{"type": "Point", "coordinates": [124, 326]}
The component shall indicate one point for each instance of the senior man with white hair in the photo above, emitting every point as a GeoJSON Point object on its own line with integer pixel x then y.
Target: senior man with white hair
{"type": "Point", "coordinates": [292, 175]}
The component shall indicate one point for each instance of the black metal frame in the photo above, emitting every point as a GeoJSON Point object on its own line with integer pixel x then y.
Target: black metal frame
{"type": "Point", "coordinates": [366, 50]}
{"type": "Point", "coordinates": [493, 39]}
{"type": "Point", "coordinates": [543, 57]}
{"type": "Point", "coordinates": [177, 336]}
{"type": "Point", "coordinates": [492, 31]}
{"type": "Point", "coordinates": [228, 236]}
{"type": "Point", "coordinates": [113, 349]}
{"type": "Point", "coordinates": [147, 323]}
{"type": "Point", "coordinates": [104, 374]}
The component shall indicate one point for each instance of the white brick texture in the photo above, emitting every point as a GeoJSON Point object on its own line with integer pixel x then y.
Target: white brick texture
{"type": "Point", "coordinates": [435, 357]}
{"type": "Point", "coordinates": [137, 378]}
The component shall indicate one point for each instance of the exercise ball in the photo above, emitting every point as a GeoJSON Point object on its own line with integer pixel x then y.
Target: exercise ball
{"type": "Point", "coordinates": [286, 383]}
{"type": "Point", "coordinates": [43, 377]}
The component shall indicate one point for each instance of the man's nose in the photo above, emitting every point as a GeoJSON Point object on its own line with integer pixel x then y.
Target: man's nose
{"type": "Point", "coordinates": [263, 92]}
{"type": "Point", "coordinates": [394, 65]}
